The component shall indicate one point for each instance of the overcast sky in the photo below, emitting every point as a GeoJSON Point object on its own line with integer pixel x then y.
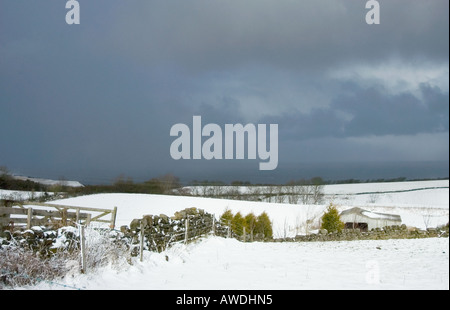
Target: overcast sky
{"type": "Point", "coordinates": [96, 100]}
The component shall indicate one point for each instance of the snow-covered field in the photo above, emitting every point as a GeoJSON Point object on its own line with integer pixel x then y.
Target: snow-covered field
{"type": "Point", "coordinates": [217, 263]}
{"type": "Point", "coordinates": [420, 204]}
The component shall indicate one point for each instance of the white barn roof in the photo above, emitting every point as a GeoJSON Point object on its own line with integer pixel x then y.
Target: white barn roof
{"type": "Point", "coordinates": [373, 219]}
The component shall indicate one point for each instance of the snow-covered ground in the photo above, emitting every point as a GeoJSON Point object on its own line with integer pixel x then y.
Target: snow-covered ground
{"type": "Point", "coordinates": [226, 264]}
{"type": "Point", "coordinates": [420, 204]}
{"type": "Point", "coordinates": [217, 263]}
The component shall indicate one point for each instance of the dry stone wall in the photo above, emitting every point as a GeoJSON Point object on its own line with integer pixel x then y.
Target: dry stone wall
{"type": "Point", "coordinates": [160, 231]}
{"type": "Point", "coordinates": [389, 232]}
{"type": "Point", "coordinates": [41, 240]}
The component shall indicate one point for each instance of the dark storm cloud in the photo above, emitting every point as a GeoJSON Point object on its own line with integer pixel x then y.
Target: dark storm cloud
{"type": "Point", "coordinates": [306, 35]}
{"type": "Point", "coordinates": [375, 113]}
{"type": "Point", "coordinates": [101, 96]}
{"type": "Point", "coordinates": [371, 112]}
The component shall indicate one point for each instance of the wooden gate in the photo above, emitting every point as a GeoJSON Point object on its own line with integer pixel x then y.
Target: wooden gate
{"type": "Point", "coordinates": [42, 214]}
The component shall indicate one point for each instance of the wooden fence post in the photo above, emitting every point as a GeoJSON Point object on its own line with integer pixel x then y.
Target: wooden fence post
{"type": "Point", "coordinates": [83, 249]}
{"type": "Point", "coordinates": [186, 233]}
{"type": "Point", "coordinates": [29, 216]}
{"type": "Point", "coordinates": [77, 215]}
{"type": "Point", "coordinates": [141, 242]}
{"type": "Point", "coordinates": [64, 217]}
{"type": "Point", "coordinates": [113, 218]}
{"type": "Point", "coordinates": [213, 225]}
{"type": "Point", "coordinates": [244, 235]}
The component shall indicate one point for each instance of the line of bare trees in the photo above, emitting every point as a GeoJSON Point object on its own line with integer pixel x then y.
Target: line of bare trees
{"type": "Point", "coordinates": [294, 192]}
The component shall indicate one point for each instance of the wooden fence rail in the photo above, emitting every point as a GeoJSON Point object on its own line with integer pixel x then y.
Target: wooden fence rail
{"type": "Point", "coordinates": [65, 215]}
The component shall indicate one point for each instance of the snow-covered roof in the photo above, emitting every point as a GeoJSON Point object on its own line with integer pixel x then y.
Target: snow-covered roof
{"type": "Point", "coordinates": [372, 215]}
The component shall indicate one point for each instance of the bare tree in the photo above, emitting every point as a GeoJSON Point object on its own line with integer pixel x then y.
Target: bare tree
{"type": "Point", "coordinates": [304, 194]}
{"type": "Point", "coordinates": [317, 194]}
{"type": "Point", "coordinates": [279, 190]}
{"type": "Point", "coordinates": [427, 218]}
{"type": "Point", "coordinates": [292, 192]}
{"type": "Point", "coordinates": [268, 192]}
{"type": "Point", "coordinates": [167, 183]}
{"type": "Point", "coordinates": [254, 193]}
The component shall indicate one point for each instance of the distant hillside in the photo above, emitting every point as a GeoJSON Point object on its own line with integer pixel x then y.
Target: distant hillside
{"type": "Point", "coordinates": [49, 182]}
{"type": "Point", "coordinates": [22, 183]}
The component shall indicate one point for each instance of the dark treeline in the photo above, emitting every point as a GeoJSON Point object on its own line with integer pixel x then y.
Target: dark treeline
{"type": "Point", "coordinates": [8, 182]}
{"type": "Point", "coordinates": [165, 184]}
{"type": "Point", "coordinates": [160, 185]}
{"type": "Point", "coordinates": [312, 181]}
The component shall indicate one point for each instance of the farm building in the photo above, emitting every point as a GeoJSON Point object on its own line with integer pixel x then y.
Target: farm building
{"type": "Point", "coordinates": [367, 220]}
